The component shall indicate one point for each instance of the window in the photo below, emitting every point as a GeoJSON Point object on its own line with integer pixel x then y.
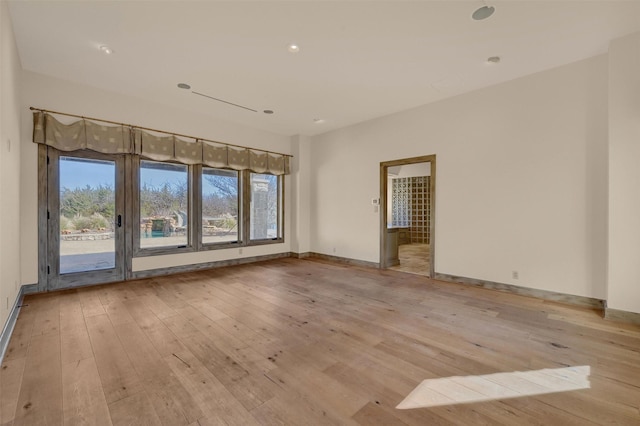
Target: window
{"type": "Point", "coordinates": [266, 210]}
{"type": "Point", "coordinates": [220, 201]}
{"type": "Point", "coordinates": [133, 194]}
{"type": "Point", "coordinates": [87, 201]}
{"type": "Point", "coordinates": [186, 208]}
{"type": "Point", "coordinates": [164, 205]}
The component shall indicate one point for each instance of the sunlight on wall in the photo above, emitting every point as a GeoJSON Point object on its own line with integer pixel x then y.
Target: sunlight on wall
{"type": "Point", "coordinates": [461, 390]}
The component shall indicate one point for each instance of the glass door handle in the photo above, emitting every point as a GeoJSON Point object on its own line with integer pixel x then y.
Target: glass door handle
{"type": "Point", "coordinates": [119, 220]}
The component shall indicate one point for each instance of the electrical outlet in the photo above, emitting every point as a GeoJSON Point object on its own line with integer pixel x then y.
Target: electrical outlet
{"type": "Point", "coordinates": [514, 275]}
{"type": "Point", "coordinates": [239, 251]}
{"type": "Point", "coordinates": [334, 249]}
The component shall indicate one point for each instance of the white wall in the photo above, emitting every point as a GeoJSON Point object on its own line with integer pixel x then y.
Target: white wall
{"type": "Point", "coordinates": [410, 170]}
{"type": "Point", "coordinates": [521, 180]}
{"type": "Point", "coordinates": [301, 197]}
{"type": "Point", "coordinates": [10, 139]}
{"type": "Point", "coordinates": [49, 93]}
{"type": "Point", "coordinates": [624, 174]}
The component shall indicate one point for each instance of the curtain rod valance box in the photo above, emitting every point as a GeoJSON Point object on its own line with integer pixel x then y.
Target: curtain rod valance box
{"type": "Point", "coordinates": [125, 139]}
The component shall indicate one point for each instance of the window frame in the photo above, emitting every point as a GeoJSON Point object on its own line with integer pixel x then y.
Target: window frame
{"type": "Point", "coordinates": [49, 276]}
{"type": "Point", "coordinates": [202, 246]}
{"type": "Point", "coordinates": [280, 211]}
{"type": "Point", "coordinates": [194, 200]}
{"type": "Point", "coordinates": [139, 251]}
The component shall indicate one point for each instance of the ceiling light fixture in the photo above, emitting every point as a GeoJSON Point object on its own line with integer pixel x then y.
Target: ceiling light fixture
{"type": "Point", "coordinates": [483, 13]}
{"type": "Point", "coordinates": [293, 48]}
{"type": "Point", "coordinates": [184, 86]}
{"type": "Point", "coordinates": [493, 59]}
{"type": "Point", "coordinates": [106, 50]}
{"type": "Point", "coordinates": [268, 111]}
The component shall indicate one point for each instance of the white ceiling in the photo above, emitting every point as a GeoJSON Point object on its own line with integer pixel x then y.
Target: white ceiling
{"type": "Point", "coordinates": [358, 60]}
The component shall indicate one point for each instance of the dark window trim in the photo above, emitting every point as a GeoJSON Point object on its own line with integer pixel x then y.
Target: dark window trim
{"type": "Point", "coordinates": [202, 246]}
{"type": "Point", "coordinates": [195, 217]}
{"type": "Point", "coordinates": [139, 251]}
{"type": "Point", "coordinates": [280, 219]}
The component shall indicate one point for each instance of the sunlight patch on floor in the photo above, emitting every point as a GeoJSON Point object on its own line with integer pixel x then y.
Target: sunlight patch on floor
{"type": "Point", "coordinates": [467, 389]}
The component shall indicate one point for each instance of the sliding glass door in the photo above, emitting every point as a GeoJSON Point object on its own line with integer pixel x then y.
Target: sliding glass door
{"type": "Point", "coordinates": [85, 218]}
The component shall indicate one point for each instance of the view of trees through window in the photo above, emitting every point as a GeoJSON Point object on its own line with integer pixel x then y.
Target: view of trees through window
{"type": "Point", "coordinates": [164, 204]}
{"type": "Point", "coordinates": [87, 208]}
{"type": "Point", "coordinates": [219, 205]}
{"type": "Point", "coordinates": [87, 213]}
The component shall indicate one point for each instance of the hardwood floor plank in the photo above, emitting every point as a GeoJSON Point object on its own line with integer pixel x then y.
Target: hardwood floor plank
{"type": "Point", "coordinates": [162, 338]}
{"type": "Point", "coordinates": [172, 404]}
{"type": "Point", "coordinates": [109, 294]}
{"type": "Point", "coordinates": [213, 398]}
{"type": "Point", "coordinates": [250, 388]}
{"type": "Point", "coordinates": [82, 395]}
{"type": "Point", "coordinates": [23, 330]}
{"type": "Point", "coordinates": [71, 315]}
{"type": "Point", "coordinates": [210, 421]}
{"type": "Point", "coordinates": [372, 414]}
{"type": "Point", "coordinates": [227, 341]}
{"type": "Point", "coordinates": [287, 409]}
{"type": "Point", "coordinates": [75, 346]}
{"type": "Point", "coordinates": [134, 410]}
{"type": "Point", "coordinates": [40, 400]}
{"type": "Point", "coordinates": [90, 300]}
{"type": "Point", "coordinates": [11, 377]}
{"type": "Point", "coordinates": [118, 312]}
{"type": "Point", "coordinates": [47, 320]}
{"type": "Point", "coordinates": [293, 341]}
{"type": "Point", "coordinates": [327, 392]}
{"type": "Point", "coordinates": [119, 378]}
{"type": "Point", "coordinates": [157, 306]}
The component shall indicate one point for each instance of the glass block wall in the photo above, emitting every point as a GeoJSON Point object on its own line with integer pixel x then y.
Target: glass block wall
{"type": "Point", "coordinates": [411, 206]}
{"type": "Point", "coordinates": [400, 206]}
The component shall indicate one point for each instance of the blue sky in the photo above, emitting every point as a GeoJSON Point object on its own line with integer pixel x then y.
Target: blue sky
{"type": "Point", "coordinates": [78, 174]}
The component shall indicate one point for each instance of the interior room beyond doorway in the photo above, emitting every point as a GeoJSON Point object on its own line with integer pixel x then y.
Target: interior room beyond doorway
{"type": "Point", "coordinates": [408, 217]}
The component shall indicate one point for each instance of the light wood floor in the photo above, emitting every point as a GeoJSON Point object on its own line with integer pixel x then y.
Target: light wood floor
{"type": "Point", "coordinates": [414, 259]}
{"type": "Point", "coordinates": [303, 342]}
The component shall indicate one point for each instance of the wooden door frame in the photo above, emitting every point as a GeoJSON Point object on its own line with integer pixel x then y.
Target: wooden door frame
{"type": "Point", "coordinates": [49, 277]}
{"type": "Point", "coordinates": [384, 168]}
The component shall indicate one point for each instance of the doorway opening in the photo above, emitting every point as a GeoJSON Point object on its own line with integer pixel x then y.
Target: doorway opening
{"type": "Point", "coordinates": [81, 203]}
{"type": "Point", "coordinates": [407, 222]}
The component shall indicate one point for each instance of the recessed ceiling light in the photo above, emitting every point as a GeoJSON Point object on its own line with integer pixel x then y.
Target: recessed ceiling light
{"type": "Point", "coordinates": [106, 50]}
{"type": "Point", "coordinates": [493, 59]}
{"type": "Point", "coordinates": [483, 13]}
{"type": "Point", "coordinates": [184, 86]}
{"type": "Point", "coordinates": [293, 48]}
{"type": "Point", "coordinates": [268, 111]}
{"type": "Point", "coordinates": [318, 120]}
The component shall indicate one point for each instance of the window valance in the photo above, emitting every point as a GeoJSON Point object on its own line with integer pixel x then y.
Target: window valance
{"type": "Point", "coordinates": [126, 139]}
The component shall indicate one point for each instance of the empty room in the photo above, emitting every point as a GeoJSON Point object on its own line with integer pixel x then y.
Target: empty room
{"type": "Point", "coordinates": [319, 212]}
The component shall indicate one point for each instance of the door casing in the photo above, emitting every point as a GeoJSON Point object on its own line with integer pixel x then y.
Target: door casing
{"type": "Point", "coordinates": [384, 166]}
{"type": "Point", "coordinates": [50, 278]}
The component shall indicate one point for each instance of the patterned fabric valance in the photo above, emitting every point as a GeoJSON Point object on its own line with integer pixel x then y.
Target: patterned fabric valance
{"type": "Point", "coordinates": [121, 139]}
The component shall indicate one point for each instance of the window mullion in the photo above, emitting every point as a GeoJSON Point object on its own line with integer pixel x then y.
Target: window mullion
{"type": "Point", "coordinates": [195, 198]}
{"type": "Point", "coordinates": [246, 206]}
